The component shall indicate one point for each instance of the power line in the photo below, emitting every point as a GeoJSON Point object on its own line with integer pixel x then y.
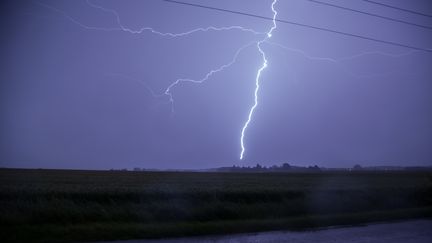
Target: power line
{"type": "Point", "coordinates": [398, 8]}
{"type": "Point", "coordinates": [301, 25]}
{"type": "Point", "coordinates": [370, 14]}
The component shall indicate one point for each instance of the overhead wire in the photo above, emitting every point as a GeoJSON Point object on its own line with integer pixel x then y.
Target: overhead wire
{"type": "Point", "coordinates": [370, 14]}
{"type": "Point", "coordinates": [301, 25]}
{"type": "Point", "coordinates": [398, 8]}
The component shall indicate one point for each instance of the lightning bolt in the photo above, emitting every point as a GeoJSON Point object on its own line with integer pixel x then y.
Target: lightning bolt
{"type": "Point", "coordinates": [257, 79]}
{"type": "Point", "coordinates": [346, 58]}
{"type": "Point", "coordinates": [168, 91]}
{"type": "Point", "coordinates": [266, 39]}
{"type": "Point", "coordinates": [152, 30]}
{"type": "Point", "coordinates": [121, 27]}
{"type": "Point", "coordinates": [339, 61]}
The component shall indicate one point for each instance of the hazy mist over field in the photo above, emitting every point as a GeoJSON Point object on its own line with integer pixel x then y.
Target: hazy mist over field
{"type": "Point", "coordinates": [78, 91]}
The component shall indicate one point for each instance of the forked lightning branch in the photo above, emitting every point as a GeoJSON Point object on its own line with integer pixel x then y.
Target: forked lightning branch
{"type": "Point", "coordinates": [265, 38]}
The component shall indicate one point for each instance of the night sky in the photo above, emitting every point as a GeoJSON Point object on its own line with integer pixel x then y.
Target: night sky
{"type": "Point", "coordinates": [84, 88]}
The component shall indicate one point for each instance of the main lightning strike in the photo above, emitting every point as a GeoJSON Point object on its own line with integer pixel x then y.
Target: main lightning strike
{"type": "Point", "coordinates": [257, 79]}
{"type": "Point", "coordinates": [168, 91]}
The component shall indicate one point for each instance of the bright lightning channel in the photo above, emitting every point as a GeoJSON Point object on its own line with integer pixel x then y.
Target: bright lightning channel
{"type": "Point", "coordinates": [257, 79]}
{"type": "Point", "coordinates": [266, 39]}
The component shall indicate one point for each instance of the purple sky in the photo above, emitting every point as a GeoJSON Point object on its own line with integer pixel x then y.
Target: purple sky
{"type": "Point", "coordinates": [77, 91]}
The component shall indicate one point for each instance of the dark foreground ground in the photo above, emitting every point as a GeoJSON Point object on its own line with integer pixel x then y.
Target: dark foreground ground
{"type": "Point", "coordinates": [415, 231]}
{"type": "Point", "coordinates": [66, 206]}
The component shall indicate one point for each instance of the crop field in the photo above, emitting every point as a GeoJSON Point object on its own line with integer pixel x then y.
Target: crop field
{"type": "Point", "coordinates": [70, 205]}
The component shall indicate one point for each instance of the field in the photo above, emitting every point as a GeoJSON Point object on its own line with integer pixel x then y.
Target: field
{"type": "Point", "coordinates": [67, 206]}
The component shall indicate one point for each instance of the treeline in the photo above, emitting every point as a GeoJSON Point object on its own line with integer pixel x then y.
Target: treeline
{"type": "Point", "coordinates": [285, 167]}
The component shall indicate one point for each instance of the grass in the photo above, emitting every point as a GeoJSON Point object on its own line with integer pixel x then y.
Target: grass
{"type": "Point", "coordinates": [67, 206]}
